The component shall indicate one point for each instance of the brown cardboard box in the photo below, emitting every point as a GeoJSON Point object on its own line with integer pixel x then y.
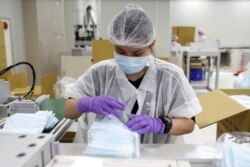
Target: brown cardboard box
{"type": "Point", "coordinates": [68, 137]}
{"type": "Point", "coordinates": [185, 34]}
{"type": "Point", "coordinates": [219, 107]}
{"type": "Point", "coordinates": [196, 66]}
{"type": "Point", "coordinates": [102, 50]}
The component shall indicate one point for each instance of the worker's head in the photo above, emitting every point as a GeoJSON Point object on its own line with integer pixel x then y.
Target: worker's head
{"type": "Point", "coordinates": [89, 8]}
{"type": "Point", "coordinates": [132, 32]}
{"type": "Point", "coordinates": [174, 38]}
{"type": "Point", "coordinates": [201, 32]}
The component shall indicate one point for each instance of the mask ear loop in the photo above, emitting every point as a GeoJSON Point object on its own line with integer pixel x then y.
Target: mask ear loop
{"type": "Point", "coordinates": [153, 53]}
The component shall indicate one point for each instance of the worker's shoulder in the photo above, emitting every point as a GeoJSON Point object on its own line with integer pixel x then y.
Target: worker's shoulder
{"type": "Point", "coordinates": [101, 67]}
{"type": "Point", "coordinates": [168, 68]}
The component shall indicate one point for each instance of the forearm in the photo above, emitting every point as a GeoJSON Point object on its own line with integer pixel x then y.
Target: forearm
{"type": "Point", "coordinates": [181, 126]}
{"type": "Point", "coordinates": [70, 109]}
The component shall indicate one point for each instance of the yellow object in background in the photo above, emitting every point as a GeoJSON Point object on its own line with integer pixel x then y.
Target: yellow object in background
{"type": "Point", "coordinates": [18, 80]}
{"type": "Point", "coordinates": [47, 83]}
{"type": "Point", "coordinates": [19, 85]}
{"type": "Point", "coordinates": [102, 50]}
{"type": "Point", "coordinates": [185, 34]}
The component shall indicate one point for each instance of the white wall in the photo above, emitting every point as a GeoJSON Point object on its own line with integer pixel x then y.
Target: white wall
{"type": "Point", "coordinates": [44, 34]}
{"type": "Point", "coordinates": [226, 20]}
{"type": "Point", "coordinates": [69, 22]}
{"type": "Point", "coordinates": [51, 38]}
{"type": "Point", "coordinates": [12, 10]}
{"type": "Point", "coordinates": [158, 11]}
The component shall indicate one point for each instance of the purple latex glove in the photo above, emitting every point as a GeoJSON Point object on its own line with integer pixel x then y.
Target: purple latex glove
{"type": "Point", "coordinates": [101, 105]}
{"type": "Point", "coordinates": [146, 124]}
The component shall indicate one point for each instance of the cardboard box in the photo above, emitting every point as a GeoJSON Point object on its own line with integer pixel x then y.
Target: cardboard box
{"type": "Point", "coordinates": [102, 50]}
{"type": "Point", "coordinates": [219, 107]}
{"type": "Point", "coordinates": [196, 66]}
{"type": "Point", "coordinates": [68, 137]}
{"type": "Point", "coordinates": [185, 34]}
{"type": "Point", "coordinates": [196, 63]}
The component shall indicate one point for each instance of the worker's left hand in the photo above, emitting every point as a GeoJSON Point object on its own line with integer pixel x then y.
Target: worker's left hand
{"type": "Point", "coordinates": [146, 124]}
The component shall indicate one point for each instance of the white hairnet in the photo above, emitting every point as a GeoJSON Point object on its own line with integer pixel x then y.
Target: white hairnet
{"type": "Point", "coordinates": [201, 31]}
{"type": "Point", "coordinates": [132, 28]}
{"type": "Point", "coordinates": [175, 38]}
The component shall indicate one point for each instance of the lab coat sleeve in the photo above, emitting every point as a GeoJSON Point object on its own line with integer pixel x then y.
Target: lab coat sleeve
{"type": "Point", "coordinates": [183, 101]}
{"type": "Point", "coordinates": [83, 87]}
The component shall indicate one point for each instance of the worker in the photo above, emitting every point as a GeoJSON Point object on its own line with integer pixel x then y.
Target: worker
{"type": "Point", "coordinates": [156, 92]}
{"type": "Point", "coordinates": [176, 51]}
{"type": "Point", "coordinates": [201, 34]}
{"type": "Point", "coordinates": [89, 22]}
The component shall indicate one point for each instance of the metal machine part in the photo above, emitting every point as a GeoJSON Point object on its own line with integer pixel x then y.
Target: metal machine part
{"type": "Point", "coordinates": [10, 105]}
{"type": "Point", "coordinates": [19, 106]}
{"type": "Point", "coordinates": [13, 105]}
{"type": "Point", "coordinates": [193, 154]}
{"type": "Point", "coordinates": [26, 150]}
{"type": "Point", "coordinates": [5, 91]}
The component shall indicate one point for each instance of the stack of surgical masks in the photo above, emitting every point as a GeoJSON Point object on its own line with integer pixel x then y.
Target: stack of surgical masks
{"type": "Point", "coordinates": [30, 122]}
{"type": "Point", "coordinates": [110, 137]}
{"type": "Point", "coordinates": [236, 150]}
{"type": "Point", "coordinates": [242, 99]}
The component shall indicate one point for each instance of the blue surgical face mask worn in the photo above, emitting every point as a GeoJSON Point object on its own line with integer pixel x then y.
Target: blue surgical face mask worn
{"type": "Point", "coordinates": [132, 65]}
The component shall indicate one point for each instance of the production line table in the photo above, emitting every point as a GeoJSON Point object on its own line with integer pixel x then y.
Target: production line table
{"type": "Point", "coordinates": [194, 154]}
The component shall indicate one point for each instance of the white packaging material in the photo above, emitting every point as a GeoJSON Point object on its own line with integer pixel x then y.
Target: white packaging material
{"type": "Point", "coordinates": [110, 137]}
{"type": "Point", "coordinates": [60, 87]}
{"type": "Point", "coordinates": [236, 149]}
{"type": "Point", "coordinates": [30, 122]}
{"type": "Point", "coordinates": [242, 99]}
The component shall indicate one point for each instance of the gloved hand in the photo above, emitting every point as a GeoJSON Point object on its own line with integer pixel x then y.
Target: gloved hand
{"type": "Point", "coordinates": [146, 124]}
{"type": "Point", "coordinates": [102, 105]}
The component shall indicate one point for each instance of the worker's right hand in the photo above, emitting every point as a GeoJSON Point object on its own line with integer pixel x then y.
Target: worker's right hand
{"type": "Point", "coordinates": [102, 105]}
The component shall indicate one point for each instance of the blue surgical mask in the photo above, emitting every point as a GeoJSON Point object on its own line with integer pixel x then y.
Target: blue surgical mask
{"type": "Point", "coordinates": [235, 154]}
{"type": "Point", "coordinates": [132, 65]}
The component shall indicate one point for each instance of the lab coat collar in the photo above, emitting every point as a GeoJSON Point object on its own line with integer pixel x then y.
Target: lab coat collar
{"type": "Point", "coordinates": [127, 89]}
{"type": "Point", "coordinates": [149, 78]}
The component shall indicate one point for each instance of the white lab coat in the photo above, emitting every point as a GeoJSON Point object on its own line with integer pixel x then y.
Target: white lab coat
{"type": "Point", "coordinates": [163, 90]}
{"type": "Point", "coordinates": [202, 38]}
{"type": "Point", "coordinates": [176, 54]}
